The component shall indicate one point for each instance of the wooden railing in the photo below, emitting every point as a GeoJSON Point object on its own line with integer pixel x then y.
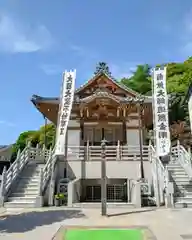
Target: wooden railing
{"type": "Point", "coordinates": [112, 153]}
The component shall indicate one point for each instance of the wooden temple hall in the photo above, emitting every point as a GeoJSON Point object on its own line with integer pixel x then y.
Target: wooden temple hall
{"type": "Point", "coordinates": [103, 108]}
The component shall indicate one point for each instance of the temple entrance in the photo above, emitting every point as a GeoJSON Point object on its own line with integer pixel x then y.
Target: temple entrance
{"type": "Point", "coordinates": [116, 192]}
{"type": "Point", "coordinates": [112, 134]}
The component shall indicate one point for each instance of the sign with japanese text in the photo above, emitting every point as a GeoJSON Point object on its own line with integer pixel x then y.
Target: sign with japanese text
{"type": "Point", "coordinates": [161, 112]}
{"type": "Point", "coordinates": [190, 108]}
{"type": "Point", "coordinates": [65, 106]}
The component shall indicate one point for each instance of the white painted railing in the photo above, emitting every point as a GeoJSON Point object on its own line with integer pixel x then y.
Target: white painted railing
{"type": "Point", "coordinates": [11, 174]}
{"type": "Point", "coordinates": [160, 176]}
{"type": "Point", "coordinates": [112, 153]}
{"type": "Point", "coordinates": [48, 168]}
{"type": "Point", "coordinates": [180, 154]}
{"type": "Point", "coordinates": [28, 154]}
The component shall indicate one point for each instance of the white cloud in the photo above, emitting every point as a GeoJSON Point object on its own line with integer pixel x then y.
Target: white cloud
{"type": "Point", "coordinates": [7, 123]}
{"type": "Point", "coordinates": [79, 50]}
{"type": "Point", "coordinates": [51, 69]}
{"type": "Point", "coordinates": [119, 71]}
{"type": "Point", "coordinates": [18, 38]}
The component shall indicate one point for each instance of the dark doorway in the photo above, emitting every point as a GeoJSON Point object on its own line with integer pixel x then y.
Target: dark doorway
{"type": "Point", "coordinates": [115, 193]}
{"type": "Point", "coordinates": [93, 193]}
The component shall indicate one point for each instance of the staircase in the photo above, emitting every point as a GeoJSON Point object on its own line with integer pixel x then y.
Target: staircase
{"type": "Point", "coordinates": [24, 183]}
{"type": "Point", "coordinates": [181, 175]}
{"type": "Point", "coordinates": [27, 187]}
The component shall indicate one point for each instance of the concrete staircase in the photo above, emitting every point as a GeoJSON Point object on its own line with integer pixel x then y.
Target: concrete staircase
{"type": "Point", "coordinates": [182, 185]}
{"type": "Point", "coordinates": [24, 192]}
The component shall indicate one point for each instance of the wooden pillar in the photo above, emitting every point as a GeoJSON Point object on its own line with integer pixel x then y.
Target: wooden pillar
{"type": "Point", "coordinates": [124, 132]}
{"type": "Point", "coordinates": [82, 129]}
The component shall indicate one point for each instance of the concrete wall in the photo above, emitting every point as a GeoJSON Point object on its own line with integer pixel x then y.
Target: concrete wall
{"type": "Point", "coordinates": [115, 169]}
{"type": "Point", "coordinates": [132, 137]}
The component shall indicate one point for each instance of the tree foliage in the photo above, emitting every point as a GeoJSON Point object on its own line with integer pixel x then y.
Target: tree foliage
{"type": "Point", "coordinates": [179, 77]}
{"type": "Point", "coordinates": [141, 79]}
{"type": "Point", "coordinates": [35, 137]}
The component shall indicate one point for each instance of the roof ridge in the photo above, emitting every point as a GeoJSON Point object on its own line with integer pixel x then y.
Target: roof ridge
{"type": "Point", "coordinates": [113, 79]}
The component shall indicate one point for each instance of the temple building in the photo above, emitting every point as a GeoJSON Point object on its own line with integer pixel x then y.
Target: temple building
{"type": "Point", "coordinates": [103, 109]}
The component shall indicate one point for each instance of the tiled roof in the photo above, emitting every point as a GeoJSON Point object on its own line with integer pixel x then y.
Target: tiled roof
{"type": "Point", "coordinates": [119, 84]}
{"type": "Point", "coordinates": [3, 146]}
{"type": "Point", "coordinates": [36, 98]}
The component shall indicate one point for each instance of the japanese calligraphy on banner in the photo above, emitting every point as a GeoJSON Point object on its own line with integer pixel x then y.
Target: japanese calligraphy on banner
{"type": "Point", "coordinates": [160, 112]}
{"type": "Point", "coordinates": [190, 108]}
{"type": "Point", "coordinates": [65, 106]}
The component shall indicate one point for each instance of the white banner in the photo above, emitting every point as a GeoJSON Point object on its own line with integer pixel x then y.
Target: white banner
{"type": "Point", "coordinates": [65, 106]}
{"type": "Point", "coordinates": [190, 109]}
{"type": "Point", "coordinates": [161, 112]}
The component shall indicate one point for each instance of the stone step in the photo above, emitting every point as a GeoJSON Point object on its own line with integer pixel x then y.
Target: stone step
{"type": "Point", "coordinates": [173, 164]}
{"type": "Point", "coordinates": [27, 185]}
{"type": "Point", "coordinates": [22, 199]}
{"type": "Point", "coordinates": [11, 205]}
{"type": "Point", "coordinates": [28, 181]}
{"type": "Point", "coordinates": [184, 199]}
{"type": "Point", "coordinates": [30, 174]}
{"type": "Point", "coordinates": [183, 190]}
{"type": "Point", "coordinates": [176, 171]}
{"type": "Point", "coordinates": [183, 205]}
{"type": "Point", "coordinates": [175, 167]}
{"type": "Point", "coordinates": [26, 189]}
{"type": "Point", "coordinates": [179, 175]}
{"type": "Point", "coordinates": [98, 205]}
{"type": "Point", "coordinates": [175, 175]}
{"type": "Point", "coordinates": [23, 194]}
{"type": "Point", "coordinates": [33, 179]}
{"type": "Point", "coordinates": [188, 194]}
{"type": "Point", "coordinates": [181, 179]}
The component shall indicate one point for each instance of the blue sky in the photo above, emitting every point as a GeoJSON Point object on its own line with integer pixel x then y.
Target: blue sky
{"type": "Point", "coordinates": [40, 39]}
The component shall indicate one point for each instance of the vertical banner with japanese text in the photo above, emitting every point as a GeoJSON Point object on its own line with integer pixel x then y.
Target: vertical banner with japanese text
{"type": "Point", "coordinates": [65, 106]}
{"type": "Point", "coordinates": [190, 107]}
{"type": "Point", "coordinates": [161, 112]}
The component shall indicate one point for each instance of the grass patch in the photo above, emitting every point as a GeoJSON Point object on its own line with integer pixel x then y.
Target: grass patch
{"type": "Point", "coordinates": [103, 234]}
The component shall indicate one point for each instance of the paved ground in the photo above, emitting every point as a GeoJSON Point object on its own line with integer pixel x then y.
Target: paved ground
{"type": "Point", "coordinates": [41, 224]}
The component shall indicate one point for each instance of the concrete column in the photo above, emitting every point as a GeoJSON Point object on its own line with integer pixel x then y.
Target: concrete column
{"type": "Point", "coordinates": [128, 190]}
{"type": "Point", "coordinates": [136, 199]}
{"type": "Point", "coordinates": [70, 194]}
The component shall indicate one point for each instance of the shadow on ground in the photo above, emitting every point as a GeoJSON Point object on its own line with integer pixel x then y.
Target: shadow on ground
{"type": "Point", "coordinates": [25, 222]}
{"type": "Point", "coordinates": [131, 212]}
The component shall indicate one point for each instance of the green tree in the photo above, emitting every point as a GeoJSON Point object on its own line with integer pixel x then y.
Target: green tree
{"type": "Point", "coordinates": [35, 137]}
{"type": "Point", "coordinates": [102, 67]}
{"type": "Point", "coordinates": [21, 142]}
{"type": "Point", "coordinates": [50, 131]}
{"type": "Point", "coordinates": [141, 79]}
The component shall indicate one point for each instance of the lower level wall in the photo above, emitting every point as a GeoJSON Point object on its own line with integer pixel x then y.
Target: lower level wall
{"type": "Point", "coordinates": [114, 169]}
